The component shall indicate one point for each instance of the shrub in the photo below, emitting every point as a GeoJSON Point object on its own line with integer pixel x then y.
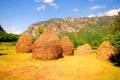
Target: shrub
{"type": "Point", "coordinates": [115, 59]}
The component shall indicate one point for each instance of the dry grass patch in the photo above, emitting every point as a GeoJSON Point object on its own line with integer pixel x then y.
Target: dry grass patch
{"type": "Point", "coordinates": [23, 67]}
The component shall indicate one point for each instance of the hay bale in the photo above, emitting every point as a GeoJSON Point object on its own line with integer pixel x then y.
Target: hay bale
{"type": "Point", "coordinates": [105, 50]}
{"type": "Point", "coordinates": [24, 44]}
{"type": "Point", "coordinates": [47, 46]}
{"type": "Point", "coordinates": [67, 46]}
{"type": "Point", "coordinates": [84, 50]}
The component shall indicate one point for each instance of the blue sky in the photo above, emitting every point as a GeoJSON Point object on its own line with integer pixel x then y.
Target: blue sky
{"type": "Point", "coordinates": [17, 15]}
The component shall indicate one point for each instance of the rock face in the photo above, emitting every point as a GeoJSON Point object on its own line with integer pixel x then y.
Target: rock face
{"type": "Point", "coordinates": [24, 44]}
{"type": "Point", "coordinates": [105, 50]}
{"type": "Point", "coordinates": [84, 49]}
{"type": "Point", "coordinates": [47, 46]}
{"type": "Point", "coordinates": [67, 46]}
{"type": "Point", "coordinates": [69, 24]}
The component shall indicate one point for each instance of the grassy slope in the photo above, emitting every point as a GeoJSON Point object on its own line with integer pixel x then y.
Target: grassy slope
{"type": "Point", "coordinates": [21, 66]}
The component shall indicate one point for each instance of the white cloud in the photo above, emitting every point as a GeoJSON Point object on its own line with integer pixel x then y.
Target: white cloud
{"type": "Point", "coordinates": [50, 2]}
{"type": "Point", "coordinates": [97, 7]}
{"type": "Point", "coordinates": [13, 30]}
{"type": "Point", "coordinates": [75, 10]}
{"type": "Point", "coordinates": [110, 13]}
{"type": "Point", "coordinates": [91, 15]}
{"type": "Point", "coordinates": [47, 1]}
{"type": "Point", "coordinates": [91, 0]}
{"type": "Point", "coordinates": [17, 32]}
{"type": "Point", "coordinates": [53, 5]}
{"type": "Point", "coordinates": [42, 7]}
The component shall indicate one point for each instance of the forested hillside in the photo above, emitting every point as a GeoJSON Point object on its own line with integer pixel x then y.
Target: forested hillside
{"type": "Point", "coordinates": [5, 37]}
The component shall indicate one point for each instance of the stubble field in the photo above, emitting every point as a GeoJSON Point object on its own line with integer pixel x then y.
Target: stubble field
{"type": "Point", "coordinates": [21, 66]}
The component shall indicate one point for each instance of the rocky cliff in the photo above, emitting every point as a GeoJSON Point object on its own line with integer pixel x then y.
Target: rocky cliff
{"type": "Point", "coordinates": [69, 24]}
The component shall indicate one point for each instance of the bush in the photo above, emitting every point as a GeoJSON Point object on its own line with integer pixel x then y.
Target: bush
{"type": "Point", "coordinates": [116, 59]}
{"type": "Point", "coordinates": [94, 44]}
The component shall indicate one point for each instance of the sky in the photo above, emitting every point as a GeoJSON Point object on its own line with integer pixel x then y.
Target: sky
{"type": "Point", "coordinates": [17, 15]}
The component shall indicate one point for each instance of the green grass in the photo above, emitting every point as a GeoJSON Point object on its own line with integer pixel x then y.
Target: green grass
{"type": "Point", "coordinates": [21, 66]}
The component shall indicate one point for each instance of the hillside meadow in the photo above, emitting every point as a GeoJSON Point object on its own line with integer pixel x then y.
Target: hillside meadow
{"type": "Point", "coordinates": [21, 66]}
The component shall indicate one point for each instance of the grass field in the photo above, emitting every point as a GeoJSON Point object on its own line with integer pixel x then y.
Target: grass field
{"type": "Point", "coordinates": [21, 66]}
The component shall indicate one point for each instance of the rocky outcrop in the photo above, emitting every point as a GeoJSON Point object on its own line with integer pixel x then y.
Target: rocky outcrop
{"type": "Point", "coordinates": [68, 24]}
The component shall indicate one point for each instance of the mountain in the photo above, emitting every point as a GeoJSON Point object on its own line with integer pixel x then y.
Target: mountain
{"type": "Point", "coordinates": [71, 24]}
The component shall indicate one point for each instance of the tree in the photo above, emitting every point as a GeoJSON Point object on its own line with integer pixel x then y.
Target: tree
{"type": "Point", "coordinates": [115, 26]}
{"type": "Point", "coordinates": [115, 59]}
{"type": "Point", "coordinates": [1, 29]}
{"type": "Point", "coordinates": [39, 31]}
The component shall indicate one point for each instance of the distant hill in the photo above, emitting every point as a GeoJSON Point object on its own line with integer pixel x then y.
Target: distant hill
{"type": "Point", "coordinates": [7, 37]}
{"type": "Point", "coordinates": [70, 24]}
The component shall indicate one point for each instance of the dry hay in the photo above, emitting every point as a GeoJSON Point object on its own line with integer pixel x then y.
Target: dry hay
{"type": "Point", "coordinates": [105, 50]}
{"type": "Point", "coordinates": [24, 44]}
{"type": "Point", "coordinates": [67, 46]}
{"type": "Point", "coordinates": [47, 46]}
{"type": "Point", "coordinates": [84, 49]}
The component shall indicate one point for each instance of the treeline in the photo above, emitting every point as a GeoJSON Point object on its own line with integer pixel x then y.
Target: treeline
{"type": "Point", "coordinates": [79, 39]}
{"type": "Point", "coordinates": [5, 37]}
{"type": "Point", "coordinates": [94, 39]}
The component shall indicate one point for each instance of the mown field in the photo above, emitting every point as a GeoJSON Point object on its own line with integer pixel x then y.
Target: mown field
{"type": "Point", "coordinates": [21, 66]}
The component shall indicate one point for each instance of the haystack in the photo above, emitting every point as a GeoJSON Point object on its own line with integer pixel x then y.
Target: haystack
{"type": "Point", "coordinates": [105, 50]}
{"type": "Point", "coordinates": [67, 46]}
{"type": "Point", "coordinates": [24, 44]}
{"type": "Point", "coordinates": [84, 50]}
{"type": "Point", "coordinates": [47, 46]}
